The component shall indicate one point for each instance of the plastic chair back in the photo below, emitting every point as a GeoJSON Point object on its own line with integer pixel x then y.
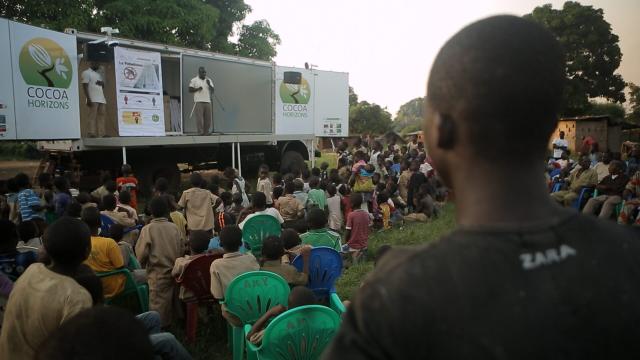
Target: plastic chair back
{"type": "Point", "coordinates": [197, 277]}
{"type": "Point", "coordinates": [133, 262]}
{"type": "Point", "coordinates": [325, 267]}
{"type": "Point", "coordinates": [134, 297]}
{"type": "Point", "coordinates": [106, 223]}
{"type": "Point", "coordinates": [556, 187]}
{"type": "Point", "coordinates": [251, 294]}
{"type": "Point", "coordinates": [256, 229]}
{"type": "Point", "coordinates": [301, 333]}
{"type": "Point", "coordinates": [584, 193]}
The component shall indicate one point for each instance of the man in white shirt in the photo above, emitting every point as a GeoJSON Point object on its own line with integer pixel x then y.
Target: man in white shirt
{"type": "Point", "coordinates": [93, 85]}
{"type": "Point", "coordinates": [560, 145]}
{"type": "Point", "coordinates": [202, 88]}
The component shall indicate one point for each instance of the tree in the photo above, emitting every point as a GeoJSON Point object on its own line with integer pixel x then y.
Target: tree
{"type": "Point", "coordinates": [258, 41]}
{"type": "Point", "coordinates": [613, 110]}
{"type": "Point", "coordinates": [201, 24]}
{"type": "Point", "coordinates": [634, 102]}
{"type": "Point", "coordinates": [410, 115]}
{"type": "Point", "coordinates": [367, 118]}
{"type": "Point", "coordinates": [592, 54]}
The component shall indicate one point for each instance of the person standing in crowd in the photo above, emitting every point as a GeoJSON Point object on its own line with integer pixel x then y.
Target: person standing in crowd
{"type": "Point", "coordinates": [202, 89]}
{"type": "Point", "coordinates": [515, 254]}
{"type": "Point", "coordinates": [128, 182]}
{"type": "Point", "coordinates": [264, 184]}
{"type": "Point", "coordinates": [560, 146]}
{"type": "Point", "coordinates": [198, 204]}
{"type": "Point", "coordinates": [158, 247]}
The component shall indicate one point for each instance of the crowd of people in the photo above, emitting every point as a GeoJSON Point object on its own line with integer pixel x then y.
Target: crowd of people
{"type": "Point", "coordinates": [56, 238]}
{"type": "Point", "coordinates": [611, 181]}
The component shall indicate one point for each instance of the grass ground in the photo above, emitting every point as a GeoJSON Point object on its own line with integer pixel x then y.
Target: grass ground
{"type": "Point", "coordinates": [211, 337]}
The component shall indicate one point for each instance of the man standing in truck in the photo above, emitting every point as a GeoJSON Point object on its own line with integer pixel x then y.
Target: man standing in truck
{"type": "Point", "coordinates": [202, 88]}
{"type": "Point", "coordinates": [93, 85]}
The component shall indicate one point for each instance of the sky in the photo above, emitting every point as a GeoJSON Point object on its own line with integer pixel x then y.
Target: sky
{"type": "Point", "coordinates": [387, 47]}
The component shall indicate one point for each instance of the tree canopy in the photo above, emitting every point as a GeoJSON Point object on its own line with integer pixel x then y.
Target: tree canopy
{"type": "Point", "coordinates": [634, 102]}
{"type": "Point", "coordinates": [201, 24]}
{"type": "Point", "coordinates": [592, 54]}
{"type": "Point", "coordinates": [367, 118]}
{"type": "Point", "coordinates": [410, 115]}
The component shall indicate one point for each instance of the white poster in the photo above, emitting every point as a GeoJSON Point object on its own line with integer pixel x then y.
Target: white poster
{"type": "Point", "coordinates": [45, 83]}
{"type": "Point", "coordinates": [139, 92]}
{"type": "Point", "coordinates": [294, 102]}
{"type": "Point", "coordinates": [332, 104]}
{"type": "Point", "coordinates": [7, 115]}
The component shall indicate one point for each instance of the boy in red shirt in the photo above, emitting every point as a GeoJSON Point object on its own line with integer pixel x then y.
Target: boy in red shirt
{"type": "Point", "coordinates": [128, 182]}
{"type": "Point", "coordinates": [357, 229]}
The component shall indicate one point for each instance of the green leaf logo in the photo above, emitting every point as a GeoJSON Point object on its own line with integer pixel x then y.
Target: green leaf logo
{"type": "Point", "coordinates": [295, 94]}
{"type": "Point", "coordinates": [45, 63]}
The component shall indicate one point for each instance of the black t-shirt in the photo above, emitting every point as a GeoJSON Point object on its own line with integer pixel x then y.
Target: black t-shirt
{"type": "Point", "coordinates": [563, 290]}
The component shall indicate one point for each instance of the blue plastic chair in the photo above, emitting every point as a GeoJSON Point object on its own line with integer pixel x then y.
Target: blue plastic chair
{"type": "Point", "coordinates": [555, 172]}
{"type": "Point", "coordinates": [325, 267]}
{"type": "Point", "coordinates": [556, 187]}
{"type": "Point", "coordinates": [106, 223]}
{"type": "Point", "coordinates": [586, 191]}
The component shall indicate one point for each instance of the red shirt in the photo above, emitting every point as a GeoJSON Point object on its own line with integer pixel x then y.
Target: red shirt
{"type": "Point", "coordinates": [346, 205]}
{"type": "Point", "coordinates": [130, 184]}
{"type": "Point", "coordinates": [358, 223]}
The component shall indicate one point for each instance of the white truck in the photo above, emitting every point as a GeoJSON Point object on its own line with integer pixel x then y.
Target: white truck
{"type": "Point", "coordinates": [262, 112]}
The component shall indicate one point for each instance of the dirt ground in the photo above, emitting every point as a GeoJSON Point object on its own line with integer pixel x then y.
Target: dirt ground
{"type": "Point", "coordinates": [9, 168]}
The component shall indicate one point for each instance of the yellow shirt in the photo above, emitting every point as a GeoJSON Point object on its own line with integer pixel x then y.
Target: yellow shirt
{"type": "Point", "coordinates": [39, 303]}
{"type": "Point", "coordinates": [106, 256]}
{"type": "Point", "coordinates": [178, 219]}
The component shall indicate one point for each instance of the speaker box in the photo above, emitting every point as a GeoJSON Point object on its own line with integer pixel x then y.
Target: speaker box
{"type": "Point", "coordinates": [292, 77]}
{"type": "Point", "coordinates": [100, 52]}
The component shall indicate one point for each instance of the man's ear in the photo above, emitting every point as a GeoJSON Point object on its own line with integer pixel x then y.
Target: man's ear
{"type": "Point", "coordinates": [446, 131]}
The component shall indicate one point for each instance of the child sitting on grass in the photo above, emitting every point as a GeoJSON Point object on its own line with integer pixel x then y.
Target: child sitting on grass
{"type": "Point", "coordinates": [299, 296]}
{"type": "Point", "coordinates": [272, 252]}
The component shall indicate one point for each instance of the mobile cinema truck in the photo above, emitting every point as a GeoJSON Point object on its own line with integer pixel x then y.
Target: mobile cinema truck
{"type": "Point", "coordinates": [262, 113]}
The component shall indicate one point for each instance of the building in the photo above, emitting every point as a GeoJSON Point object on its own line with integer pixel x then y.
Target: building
{"type": "Point", "coordinates": [600, 128]}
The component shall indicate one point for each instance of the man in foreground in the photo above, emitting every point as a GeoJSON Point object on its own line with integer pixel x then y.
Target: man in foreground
{"type": "Point", "coordinates": [521, 278]}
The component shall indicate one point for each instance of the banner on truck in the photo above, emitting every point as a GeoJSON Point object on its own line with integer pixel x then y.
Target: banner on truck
{"type": "Point", "coordinates": [45, 83]}
{"type": "Point", "coordinates": [139, 92]}
{"type": "Point", "coordinates": [294, 102]}
{"type": "Point", "coordinates": [7, 116]}
{"type": "Point", "coordinates": [332, 104]}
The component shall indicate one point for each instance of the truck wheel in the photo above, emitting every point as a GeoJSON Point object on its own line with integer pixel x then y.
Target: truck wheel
{"type": "Point", "coordinates": [291, 161]}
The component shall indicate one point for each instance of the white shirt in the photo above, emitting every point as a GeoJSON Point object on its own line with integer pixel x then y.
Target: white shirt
{"type": "Point", "coordinates": [201, 95]}
{"type": "Point", "coordinates": [562, 143]}
{"type": "Point", "coordinates": [91, 78]}
{"type": "Point", "coordinates": [268, 211]}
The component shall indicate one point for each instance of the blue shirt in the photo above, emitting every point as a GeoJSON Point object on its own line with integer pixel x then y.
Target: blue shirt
{"type": "Point", "coordinates": [61, 201]}
{"type": "Point", "coordinates": [214, 244]}
{"type": "Point", "coordinates": [26, 199]}
{"type": "Point", "coordinates": [13, 264]}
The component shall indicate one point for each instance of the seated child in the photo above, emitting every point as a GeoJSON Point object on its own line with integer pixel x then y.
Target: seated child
{"type": "Point", "coordinates": [357, 229]}
{"type": "Point", "coordinates": [110, 203]}
{"type": "Point", "coordinates": [319, 234]}
{"type": "Point", "coordinates": [125, 207]}
{"type": "Point", "coordinates": [84, 199]}
{"type": "Point", "coordinates": [232, 264]}
{"type": "Point", "coordinates": [237, 208]}
{"type": "Point", "coordinates": [425, 208]}
{"type": "Point", "coordinates": [198, 241]}
{"type": "Point", "coordinates": [47, 296]}
{"type": "Point", "coordinates": [292, 245]}
{"type": "Point", "coordinates": [13, 263]}
{"type": "Point", "coordinates": [116, 232]}
{"type": "Point", "coordinates": [29, 236]}
{"type": "Point", "coordinates": [316, 196]}
{"type": "Point", "coordinates": [221, 220]}
{"type": "Point", "coordinates": [299, 296]}
{"type": "Point", "coordinates": [105, 254]}
{"type": "Point", "coordinates": [272, 252]}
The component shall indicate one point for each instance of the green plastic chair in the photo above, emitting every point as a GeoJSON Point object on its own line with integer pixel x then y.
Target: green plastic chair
{"type": "Point", "coordinates": [133, 262]}
{"type": "Point", "coordinates": [248, 297]}
{"type": "Point", "coordinates": [618, 208]}
{"type": "Point", "coordinates": [256, 229]}
{"type": "Point", "coordinates": [298, 334]}
{"type": "Point", "coordinates": [134, 297]}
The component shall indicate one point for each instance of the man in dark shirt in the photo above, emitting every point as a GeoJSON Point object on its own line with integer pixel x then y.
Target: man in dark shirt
{"type": "Point", "coordinates": [609, 192]}
{"type": "Point", "coordinates": [521, 278]}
